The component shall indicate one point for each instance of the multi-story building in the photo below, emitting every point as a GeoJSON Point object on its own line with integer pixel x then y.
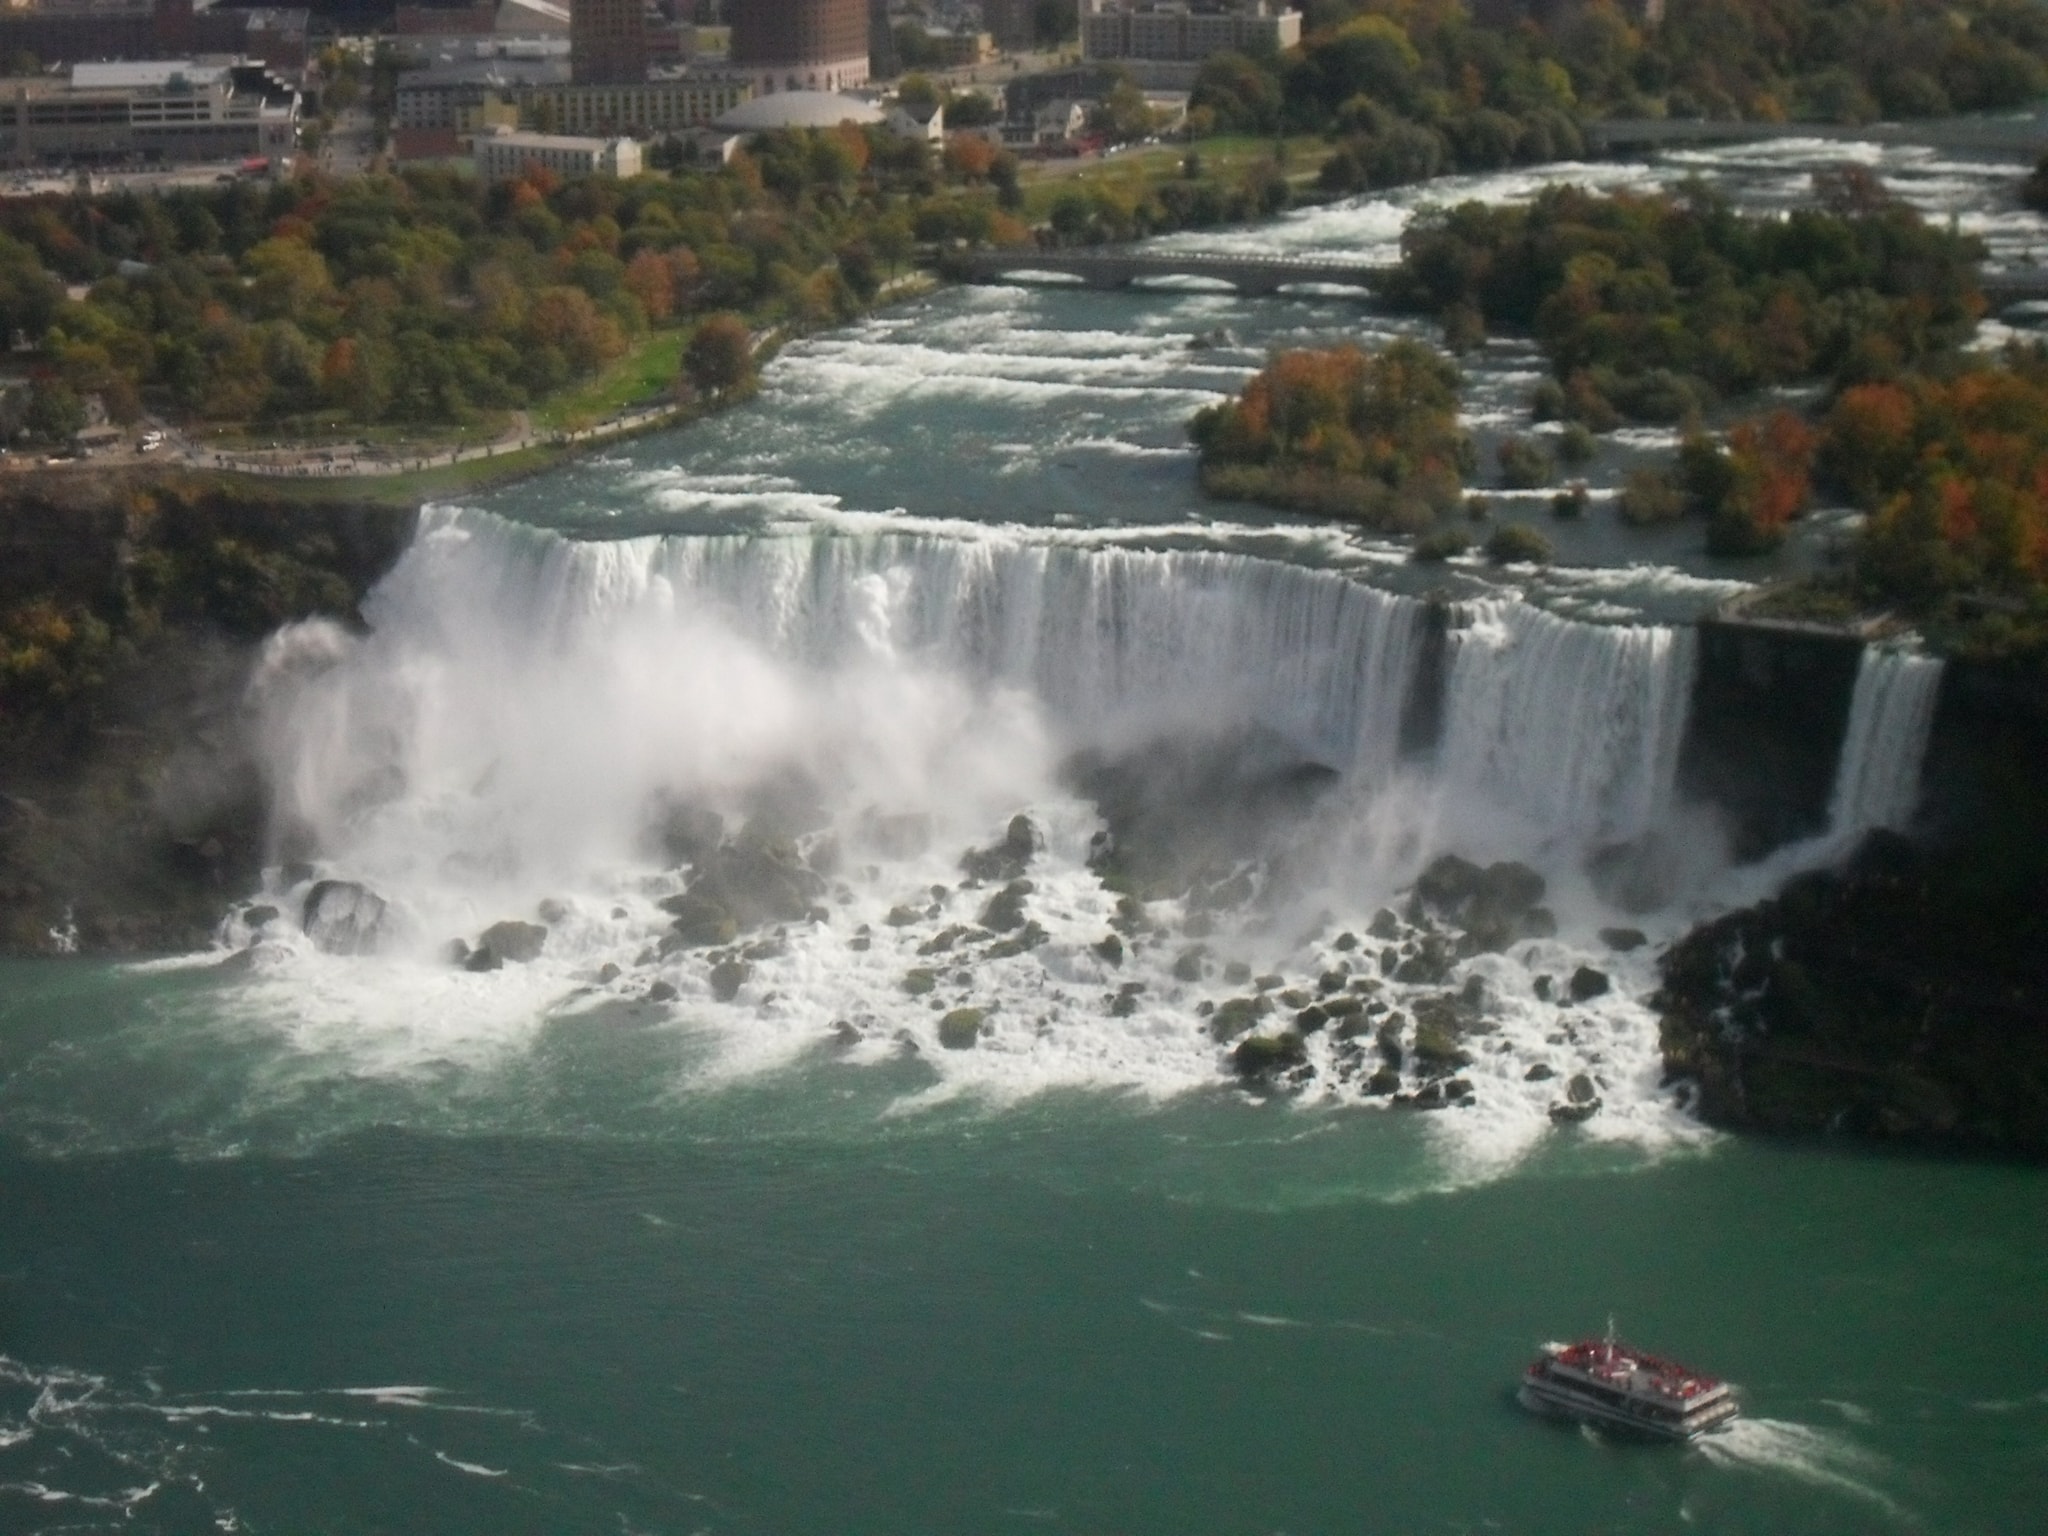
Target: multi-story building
{"type": "Point", "coordinates": [1012, 23]}
{"type": "Point", "coordinates": [84, 31]}
{"type": "Point", "coordinates": [1163, 42]}
{"type": "Point", "coordinates": [608, 42]}
{"type": "Point", "coordinates": [506, 156]}
{"type": "Point", "coordinates": [799, 45]}
{"type": "Point", "coordinates": [439, 109]}
{"type": "Point", "coordinates": [163, 110]}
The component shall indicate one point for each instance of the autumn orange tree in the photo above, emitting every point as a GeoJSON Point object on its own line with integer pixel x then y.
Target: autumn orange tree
{"type": "Point", "coordinates": [1371, 436]}
{"type": "Point", "coordinates": [1954, 474]}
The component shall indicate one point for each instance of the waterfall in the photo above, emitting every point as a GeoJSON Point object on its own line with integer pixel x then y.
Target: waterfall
{"type": "Point", "coordinates": [1117, 644]}
{"type": "Point", "coordinates": [1576, 726]}
{"type": "Point", "coordinates": [522, 696]}
{"type": "Point", "coordinates": [1877, 777]}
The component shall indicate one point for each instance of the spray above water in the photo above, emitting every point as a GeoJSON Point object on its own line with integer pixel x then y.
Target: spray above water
{"type": "Point", "coordinates": [1009, 813]}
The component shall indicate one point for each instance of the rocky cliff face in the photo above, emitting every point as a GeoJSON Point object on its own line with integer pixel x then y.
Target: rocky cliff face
{"type": "Point", "coordinates": [130, 812]}
{"type": "Point", "coordinates": [1904, 995]}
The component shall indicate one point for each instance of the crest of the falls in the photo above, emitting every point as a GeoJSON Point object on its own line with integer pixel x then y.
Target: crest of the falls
{"type": "Point", "coordinates": [1891, 712]}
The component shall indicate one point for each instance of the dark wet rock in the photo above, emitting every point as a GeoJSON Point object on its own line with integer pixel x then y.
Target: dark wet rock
{"type": "Point", "coordinates": [960, 1029]}
{"type": "Point", "coordinates": [1448, 883]}
{"type": "Point", "coordinates": [482, 959]}
{"type": "Point", "coordinates": [700, 922]}
{"type": "Point", "coordinates": [1346, 943]}
{"type": "Point", "coordinates": [1384, 924]}
{"type": "Point", "coordinates": [1459, 1091]}
{"type": "Point", "coordinates": [1541, 987]}
{"type": "Point", "coordinates": [1439, 1026]}
{"type": "Point", "coordinates": [1573, 1113]}
{"type": "Point", "coordinates": [344, 918]}
{"type": "Point", "coordinates": [1190, 963]}
{"type": "Point", "coordinates": [1495, 906]}
{"type": "Point", "coordinates": [901, 916]}
{"type": "Point", "coordinates": [1123, 1005]}
{"type": "Point", "coordinates": [1008, 859]}
{"type": "Point", "coordinates": [607, 974]}
{"type": "Point", "coordinates": [688, 832]}
{"type": "Point", "coordinates": [906, 1043]}
{"type": "Point", "coordinates": [845, 1034]}
{"type": "Point", "coordinates": [1429, 1096]}
{"type": "Point", "coordinates": [1332, 981]}
{"type": "Point", "coordinates": [552, 911]}
{"type": "Point", "coordinates": [1387, 1038]}
{"type": "Point", "coordinates": [920, 981]}
{"type": "Point", "coordinates": [1623, 940]}
{"type": "Point", "coordinates": [1005, 910]}
{"type": "Point", "coordinates": [943, 940]}
{"type": "Point", "coordinates": [1236, 1015]}
{"type": "Point", "coordinates": [513, 941]}
{"type": "Point", "coordinates": [1236, 973]}
{"type": "Point", "coordinates": [1384, 1081]}
{"type": "Point", "coordinates": [1430, 965]}
{"type": "Point", "coordinates": [1311, 1019]}
{"type": "Point", "coordinates": [1269, 983]}
{"type": "Point", "coordinates": [1473, 993]}
{"type": "Point", "coordinates": [755, 879]}
{"type": "Point", "coordinates": [766, 949]}
{"type": "Point", "coordinates": [455, 951]}
{"type": "Point", "coordinates": [1587, 984]}
{"type": "Point", "coordinates": [257, 916]}
{"type": "Point", "coordinates": [1109, 949]}
{"type": "Point", "coordinates": [1541, 1072]}
{"type": "Point", "coordinates": [1294, 997]}
{"type": "Point", "coordinates": [1204, 1008]}
{"type": "Point", "coordinates": [727, 977]}
{"type": "Point", "coordinates": [860, 943]}
{"type": "Point", "coordinates": [1640, 876]}
{"type": "Point", "coordinates": [662, 992]}
{"type": "Point", "coordinates": [1130, 915]}
{"type": "Point", "coordinates": [1029, 937]}
{"type": "Point", "coordinates": [1258, 1058]}
{"type": "Point", "coordinates": [1581, 1089]}
{"type": "Point", "coordinates": [1390, 960]}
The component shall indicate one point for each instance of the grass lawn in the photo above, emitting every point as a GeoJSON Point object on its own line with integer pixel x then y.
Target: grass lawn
{"type": "Point", "coordinates": [1129, 172]}
{"type": "Point", "coordinates": [647, 370]}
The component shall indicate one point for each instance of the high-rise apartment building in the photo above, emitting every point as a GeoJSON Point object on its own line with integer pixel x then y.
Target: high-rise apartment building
{"type": "Point", "coordinates": [799, 45]}
{"type": "Point", "coordinates": [607, 42]}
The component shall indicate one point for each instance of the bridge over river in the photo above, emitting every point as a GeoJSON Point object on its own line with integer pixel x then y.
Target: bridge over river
{"type": "Point", "coordinates": [1118, 266]}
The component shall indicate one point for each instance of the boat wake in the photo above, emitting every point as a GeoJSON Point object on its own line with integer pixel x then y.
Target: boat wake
{"type": "Point", "coordinates": [1819, 1457]}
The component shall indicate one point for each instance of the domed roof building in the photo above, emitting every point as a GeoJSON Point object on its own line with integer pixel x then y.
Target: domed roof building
{"type": "Point", "coordinates": [797, 109]}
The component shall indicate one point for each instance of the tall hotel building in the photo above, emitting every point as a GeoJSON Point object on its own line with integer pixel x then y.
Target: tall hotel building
{"type": "Point", "coordinates": [607, 42]}
{"type": "Point", "coordinates": [798, 45]}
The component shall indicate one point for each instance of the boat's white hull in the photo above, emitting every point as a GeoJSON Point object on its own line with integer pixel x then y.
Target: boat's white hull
{"type": "Point", "coordinates": [1563, 1403]}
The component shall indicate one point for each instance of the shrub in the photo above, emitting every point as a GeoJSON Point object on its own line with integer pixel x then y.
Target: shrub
{"type": "Point", "coordinates": [1441, 544]}
{"type": "Point", "coordinates": [1517, 544]}
{"type": "Point", "coordinates": [1649, 497]}
{"type": "Point", "coordinates": [1524, 464]}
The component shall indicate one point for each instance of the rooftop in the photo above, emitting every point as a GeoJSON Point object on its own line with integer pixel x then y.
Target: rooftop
{"type": "Point", "coordinates": [798, 109]}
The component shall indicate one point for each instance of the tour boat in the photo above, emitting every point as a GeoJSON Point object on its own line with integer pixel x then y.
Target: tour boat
{"type": "Point", "coordinates": [1606, 1383]}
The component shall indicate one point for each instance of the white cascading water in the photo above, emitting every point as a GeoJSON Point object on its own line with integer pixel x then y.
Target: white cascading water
{"type": "Point", "coordinates": [494, 746]}
{"type": "Point", "coordinates": [1877, 777]}
{"type": "Point", "coordinates": [1575, 726]}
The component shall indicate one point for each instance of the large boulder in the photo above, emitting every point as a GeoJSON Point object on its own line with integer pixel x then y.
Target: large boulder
{"type": "Point", "coordinates": [1007, 859]}
{"type": "Point", "coordinates": [520, 943]}
{"type": "Point", "coordinates": [344, 918]}
{"type": "Point", "coordinates": [1258, 1058]}
{"type": "Point", "coordinates": [1005, 910]}
{"type": "Point", "coordinates": [960, 1029]}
